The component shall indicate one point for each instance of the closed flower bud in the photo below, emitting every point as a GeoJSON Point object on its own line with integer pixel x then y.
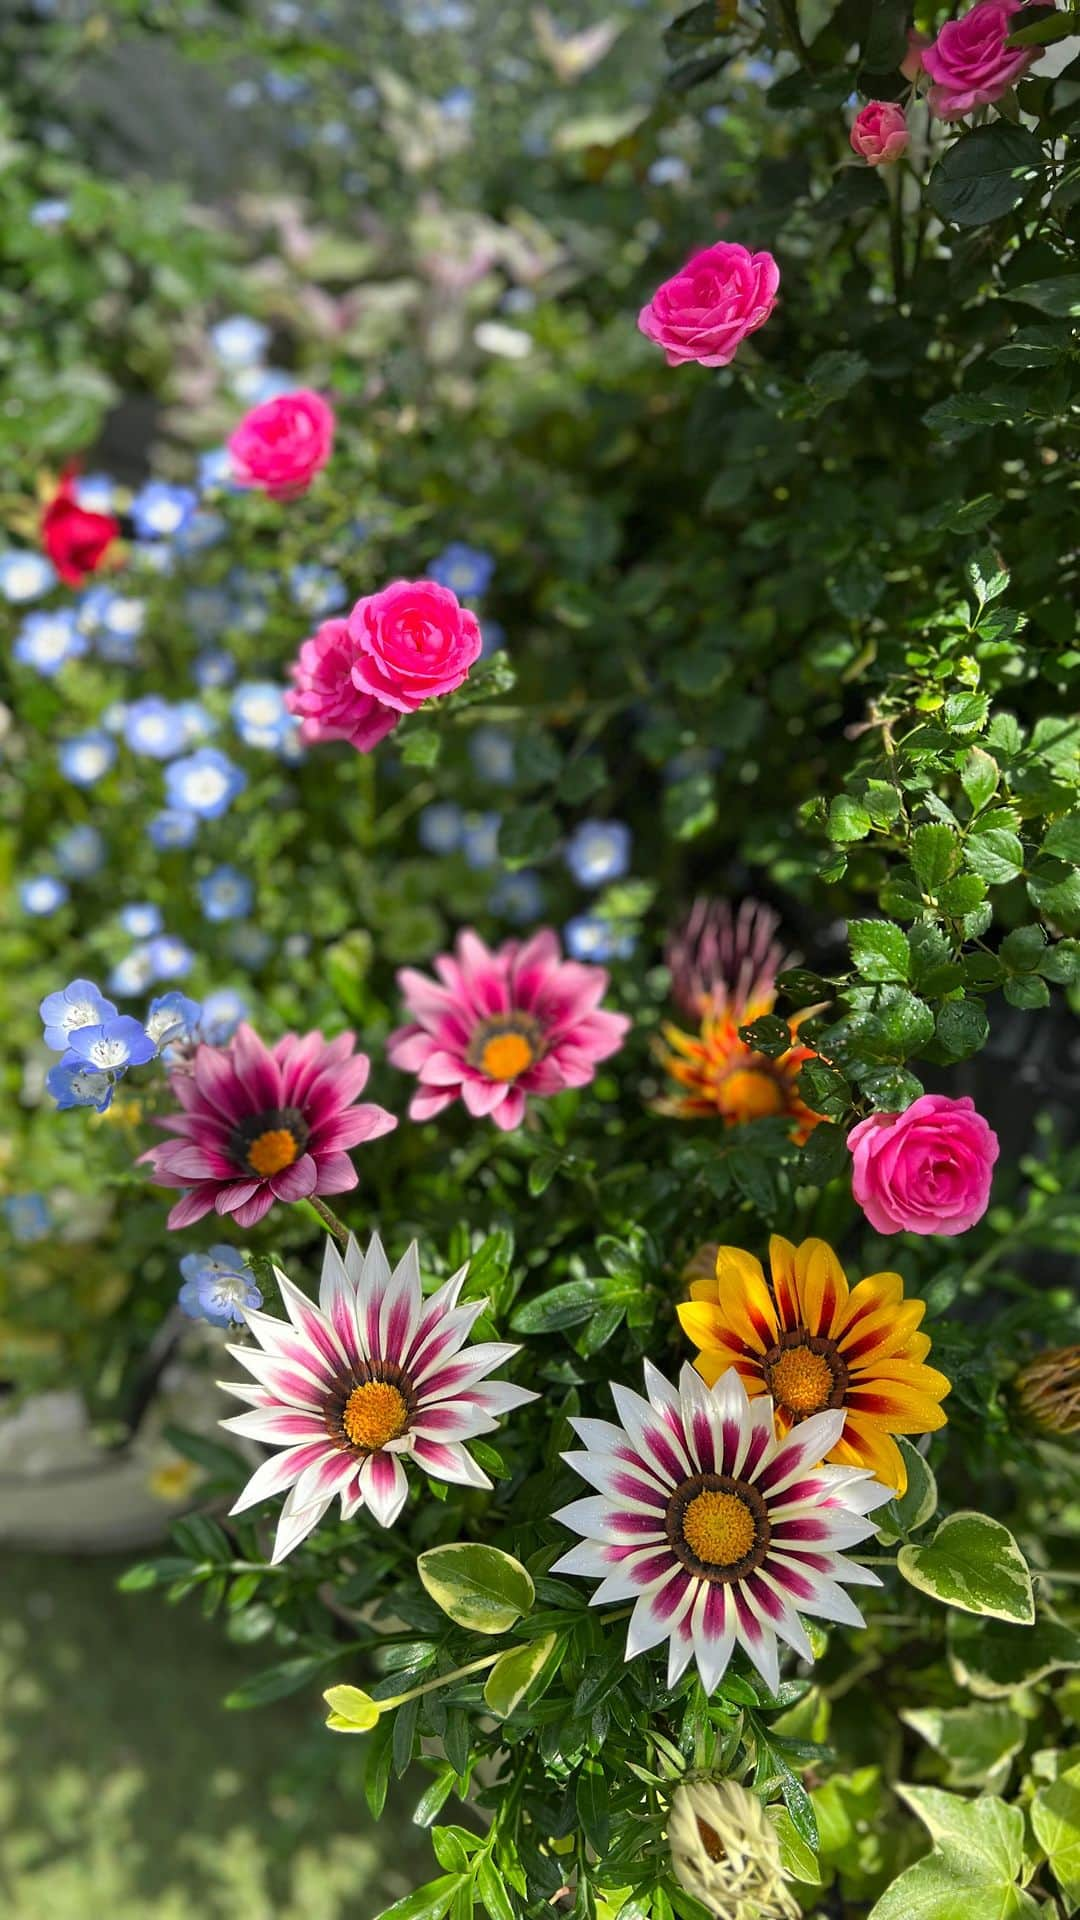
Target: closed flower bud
{"type": "Point", "coordinates": [725, 1852]}
{"type": "Point", "coordinates": [1049, 1390]}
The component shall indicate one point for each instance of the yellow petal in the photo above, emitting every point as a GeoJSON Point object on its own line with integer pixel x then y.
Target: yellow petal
{"type": "Point", "coordinates": [785, 1285]}
{"type": "Point", "coordinates": [705, 1288]}
{"type": "Point", "coordinates": [823, 1288]}
{"type": "Point", "coordinates": [879, 1334]}
{"type": "Point", "coordinates": [865, 1446]}
{"type": "Point", "coordinates": [745, 1300]}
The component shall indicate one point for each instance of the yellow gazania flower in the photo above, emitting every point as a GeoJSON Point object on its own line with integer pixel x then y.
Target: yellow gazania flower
{"type": "Point", "coordinates": [722, 1078]}
{"type": "Point", "coordinates": [812, 1342]}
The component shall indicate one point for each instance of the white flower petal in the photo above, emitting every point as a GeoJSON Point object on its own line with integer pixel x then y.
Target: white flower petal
{"type": "Point", "coordinates": [277, 1473]}
{"type": "Point", "coordinates": [449, 1460]}
{"type": "Point", "coordinates": [384, 1486]}
{"type": "Point", "coordinates": [294, 1525]}
{"type": "Point", "coordinates": [652, 1438]}
{"type": "Point", "coordinates": [399, 1316]}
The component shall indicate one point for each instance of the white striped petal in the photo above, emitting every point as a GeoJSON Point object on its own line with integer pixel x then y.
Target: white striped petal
{"type": "Point", "coordinates": [277, 1426]}
{"type": "Point", "coordinates": [313, 1327]}
{"type": "Point", "coordinates": [399, 1318]}
{"type": "Point", "coordinates": [383, 1486]}
{"type": "Point", "coordinates": [294, 1525]}
{"type": "Point", "coordinates": [449, 1460]}
{"type": "Point", "coordinates": [278, 1472]}
{"type": "Point", "coordinates": [652, 1437]}
{"type": "Point", "coordinates": [290, 1384]}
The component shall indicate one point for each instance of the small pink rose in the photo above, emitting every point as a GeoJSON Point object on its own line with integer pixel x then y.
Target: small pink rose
{"type": "Point", "coordinates": [414, 640]}
{"type": "Point", "coordinates": [912, 63]}
{"type": "Point", "coordinates": [705, 313]}
{"type": "Point", "coordinates": [926, 1170]}
{"type": "Point", "coordinates": [880, 132]}
{"type": "Point", "coordinates": [971, 63]}
{"type": "Point", "coordinates": [330, 705]}
{"type": "Point", "coordinates": [280, 446]}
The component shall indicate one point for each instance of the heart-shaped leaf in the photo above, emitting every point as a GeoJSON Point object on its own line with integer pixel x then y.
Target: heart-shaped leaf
{"type": "Point", "coordinates": [972, 1563]}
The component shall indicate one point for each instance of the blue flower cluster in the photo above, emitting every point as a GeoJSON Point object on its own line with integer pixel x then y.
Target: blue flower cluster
{"type": "Point", "coordinates": [98, 1044]}
{"type": "Point", "coordinates": [218, 1287]}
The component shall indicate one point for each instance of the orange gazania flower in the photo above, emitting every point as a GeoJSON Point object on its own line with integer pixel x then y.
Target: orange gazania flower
{"type": "Point", "coordinates": [813, 1343]}
{"type": "Point", "coordinates": [723, 965]}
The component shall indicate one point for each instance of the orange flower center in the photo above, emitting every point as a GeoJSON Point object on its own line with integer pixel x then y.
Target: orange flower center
{"type": "Point", "coordinates": [805, 1373]}
{"type": "Point", "coordinates": [272, 1151]}
{"type": "Point", "coordinates": [710, 1840]}
{"type": "Point", "coordinates": [506, 1055]}
{"type": "Point", "coordinates": [719, 1528]}
{"type": "Point", "coordinates": [375, 1412]}
{"type": "Point", "coordinates": [752, 1092]}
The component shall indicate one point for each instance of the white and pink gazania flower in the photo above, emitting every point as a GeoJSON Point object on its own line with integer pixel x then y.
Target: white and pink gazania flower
{"type": "Point", "coordinates": [501, 1026]}
{"type": "Point", "coordinates": [352, 1388]}
{"type": "Point", "coordinates": [720, 1532]}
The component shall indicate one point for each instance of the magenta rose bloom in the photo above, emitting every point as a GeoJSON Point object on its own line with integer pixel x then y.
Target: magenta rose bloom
{"type": "Point", "coordinates": [707, 310]}
{"type": "Point", "coordinates": [880, 132]}
{"type": "Point", "coordinates": [497, 1027]}
{"type": "Point", "coordinates": [414, 640]}
{"type": "Point", "coordinates": [259, 1124]}
{"type": "Point", "coordinates": [330, 705]}
{"type": "Point", "coordinates": [970, 62]}
{"type": "Point", "coordinates": [926, 1170]}
{"type": "Point", "coordinates": [280, 446]}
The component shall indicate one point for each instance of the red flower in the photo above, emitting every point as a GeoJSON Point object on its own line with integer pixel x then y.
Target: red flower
{"type": "Point", "coordinates": [75, 541]}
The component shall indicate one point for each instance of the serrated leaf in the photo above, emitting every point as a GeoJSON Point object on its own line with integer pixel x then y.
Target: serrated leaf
{"type": "Point", "coordinates": [879, 950]}
{"type": "Point", "coordinates": [935, 853]}
{"type": "Point", "coordinates": [985, 174]}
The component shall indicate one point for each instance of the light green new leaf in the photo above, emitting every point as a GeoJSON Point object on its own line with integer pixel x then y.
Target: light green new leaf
{"type": "Point", "coordinates": [514, 1672]}
{"type": "Point", "coordinates": [931, 1890]}
{"type": "Point", "coordinates": [982, 1838]}
{"type": "Point", "coordinates": [480, 1588]}
{"type": "Point", "coordinates": [972, 1563]}
{"type": "Point", "coordinates": [351, 1710]}
{"type": "Point", "coordinates": [1055, 1816]}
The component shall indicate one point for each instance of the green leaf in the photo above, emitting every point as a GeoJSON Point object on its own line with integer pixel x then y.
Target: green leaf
{"type": "Point", "coordinates": [427, 1903]}
{"type": "Point", "coordinates": [275, 1683]}
{"type": "Point", "coordinates": [848, 820]}
{"type": "Point", "coordinates": [935, 1890]}
{"type": "Point", "coordinates": [992, 1659]}
{"type": "Point", "coordinates": [351, 1710]}
{"type": "Point", "coordinates": [1028, 992]}
{"type": "Point", "coordinates": [690, 806]}
{"type": "Point", "coordinates": [962, 1028]}
{"type": "Point", "coordinates": [972, 1563]}
{"type": "Point", "coordinates": [935, 853]}
{"type": "Point", "coordinates": [1059, 296]}
{"type": "Point", "coordinates": [982, 1836]}
{"type": "Point", "coordinates": [985, 174]}
{"type": "Point", "coordinates": [526, 834]}
{"type": "Point", "coordinates": [880, 950]}
{"type": "Point", "coordinates": [563, 1306]}
{"type": "Point", "coordinates": [1055, 1816]}
{"type": "Point", "coordinates": [514, 1673]}
{"type": "Point", "coordinates": [592, 1799]}
{"type": "Point", "coordinates": [979, 777]}
{"type": "Point", "coordinates": [979, 1742]}
{"type": "Point", "coordinates": [1055, 890]}
{"type": "Point", "coordinates": [768, 1035]}
{"type": "Point", "coordinates": [995, 854]}
{"type": "Point", "coordinates": [1022, 949]}
{"type": "Point", "coordinates": [492, 1891]}
{"type": "Point", "coordinates": [916, 1505]}
{"type": "Point", "coordinates": [479, 1587]}
{"type": "Point", "coordinates": [1063, 838]}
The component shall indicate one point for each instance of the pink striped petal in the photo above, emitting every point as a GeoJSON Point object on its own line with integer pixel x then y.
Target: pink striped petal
{"type": "Point", "coordinates": [449, 1460]}
{"type": "Point", "coordinates": [279, 1472]}
{"type": "Point", "coordinates": [384, 1486]}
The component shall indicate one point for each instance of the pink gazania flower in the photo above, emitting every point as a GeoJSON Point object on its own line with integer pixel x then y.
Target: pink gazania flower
{"type": "Point", "coordinates": [720, 1532]}
{"type": "Point", "coordinates": [501, 1026]}
{"type": "Point", "coordinates": [260, 1124]}
{"type": "Point", "coordinates": [350, 1389]}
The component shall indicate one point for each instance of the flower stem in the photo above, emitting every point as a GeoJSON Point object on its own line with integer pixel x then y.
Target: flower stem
{"type": "Point", "coordinates": [440, 1680]}
{"type": "Point", "coordinates": [329, 1219]}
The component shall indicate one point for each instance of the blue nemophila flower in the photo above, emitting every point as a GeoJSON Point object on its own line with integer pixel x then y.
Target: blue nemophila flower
{"type": "Point", "coordinates": [214, 667]}
{"type": "Point", "coordinates": [50, 213]}
{"type": "Point", "coordinates": [458, 104]}
{"type": "Point", "coordinates": [440, 827]}
{"type": "Point", "coordinates": [226, 894]}
{"type": "Point", "coordinates": [172, 1016]}
{"type": "Point", "coordinates": [588, 937]}
{"type": "Point", "coordinates": [239, 341]}
{"type": "Point", "coordinates": [259, 713]}
{"type": "Point", "coordinates": [25, 576]}
{"type": "Point", "coordinates": [159, 510]}
{"type": "Point", "coordinates": [518, 897]}
{"type": "Point", "coordinates": [218, 1285]}
{"type": "Point", "coordinates": [133, 974]}
{"type": "Point", "coordinates": [215, 471]}
{"type": "Point", "coordinates": [155, 727]}
{"type": "Point", "coordinates": [317, 590]}
{"type": "Point", "coordinates": [46, 640]}
{"type": "Point", "coordinates": [480, 839]}
{"type": "Point", "coordinates": [196, 722]}
{"type": "Point", "coordinates": [222, 1012]}
{"type": "Point", "coordinates": [465, 570]}
{"type": "Point", "coordinates": [74, 1084]}
{"type": "Point", "coordinates": [115, 1045]}
{"type": "Point", "coordinates": [201, 529]}
{"type": "Point", "coordinates": [152, 556]}
{"type": "Point", "coordinates": [141, 919]}
{"type": "Point", "coordinates": [169, 958]}
{"type": "Point", "coordinates": [205, 783]}
{"type": "Point", "coordinates": [250, 945]}
{"type": "Point", "coordinates": [80, 852]}
{"type": "Point", "coordinates": [27, 1216]}
{"type": "Point", "coordinates": [492, 754]}
{"type": "Point", "coordinates": [242, 94]}
{"type": "Point", "coordinates": [667, 170]}
{"type": "Point", "coordinates": [284, 88]}
{"type": "Point", "coordinates": [79, 1004]}
{"type": "Point", "coordinates": [173, 827]}
{"type": "Point", "coordinates": [598, 851]}
{"type": "Point", "coordinates": [95, 492]}
{"type": "Point", "coordinates": [42, 894]}
{"type": "Point", "coordinates": [253, 385]}
{"type": "Point", "coordinates": [113, 620]}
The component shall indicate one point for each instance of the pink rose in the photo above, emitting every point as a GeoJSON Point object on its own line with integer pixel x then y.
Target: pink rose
{"type": "Point", "coordinates": [281, 446]}
{"type": "Point", "coordinates": [330, 705]}
{"type": "Point", "coordinates": [707, 310]}
{"type": "Point", "coordinates": [970, 62]}
{"type": "Point", "coordinates": [880, 132]}
{"type": "Point", "coordinates": [926, 1170]}
{"type": "Point", "coordinates": [912, 63]}
{"type": "Point", "coordinates": [414, 640]}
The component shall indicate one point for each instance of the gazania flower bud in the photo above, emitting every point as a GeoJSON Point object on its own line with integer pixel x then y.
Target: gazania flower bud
{"type": "Point", "coordinates": [1049, 1390]}
{"type": "Point", "coordinates": [725, 1852]}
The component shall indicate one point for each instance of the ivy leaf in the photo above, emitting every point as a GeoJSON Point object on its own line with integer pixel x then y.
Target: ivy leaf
{"type": "Point", "coordinates": [914, 1507]}
{"type": "Point", "coordinates": [1055, 1816]}
{"type": "Point", "coordinates": [972, 1563]}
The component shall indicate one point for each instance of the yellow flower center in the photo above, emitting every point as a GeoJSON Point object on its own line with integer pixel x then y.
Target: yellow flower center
{"type": "Point", "coordinates": [506, 1055]}
{"type": "Point", "coordinates": [710, 1839]}
{"type": "Point", "coordinates": [272, 1151]}
{"type": "Point", "coordinates": [751, 1093]}
{"type": "Point", "coordinates": [801, 1380]}
{"type": "Point", "coordinates": [719, 1528]}
{"type": "Point", "coordinates": [375, 1412]}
